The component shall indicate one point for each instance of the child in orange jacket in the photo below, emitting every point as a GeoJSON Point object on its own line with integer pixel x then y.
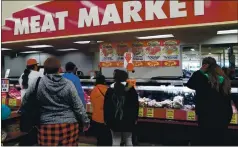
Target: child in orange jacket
{"type": "Point", "coordinates": [97, 100]}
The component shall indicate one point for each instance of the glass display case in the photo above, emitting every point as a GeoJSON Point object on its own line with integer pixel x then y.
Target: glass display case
{"type": "Point", "coordinates": [164, 99]}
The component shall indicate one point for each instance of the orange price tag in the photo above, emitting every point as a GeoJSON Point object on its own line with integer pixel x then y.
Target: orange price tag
{"type": "Point", "coordinates": [150, 112]}
{"type": "Point", "coordinates": [91, 108]}
{"type": "Point", "coordinates": [170, 114]}
{"type": "Point", "coordinates": [141, 112]}
{"type": "Point", "coordinates": [12, 102]}
{"type": "Point", "coordinates": [191, 115]}
{"type": "Point", "coordinates": [234, 119]}
{"type": "Point", "coordinates": [4, 101]}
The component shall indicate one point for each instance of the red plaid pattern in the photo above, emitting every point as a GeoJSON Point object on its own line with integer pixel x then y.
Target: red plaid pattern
{"type": "Point", "coordinates": [58, 135]}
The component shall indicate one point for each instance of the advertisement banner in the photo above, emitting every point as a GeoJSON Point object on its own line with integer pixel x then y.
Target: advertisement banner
{"type": "Point", "coordinates": [151, 53]}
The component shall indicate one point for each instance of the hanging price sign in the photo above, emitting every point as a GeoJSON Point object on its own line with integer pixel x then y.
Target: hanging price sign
{"type": "Point", "coordinates": [234, 119]}
{"type": "Point", "coordinates": [5, 85]}
{"type": "Point", "coordinates": [170, 114]}
{"type": "Point", "coordinates": [150, 112]}
{"type": "Point", "coordinates": [191, 115]}
{"type": "Point", "coordinates": [141, 112]}
{"type": "Point", "coordinates": [12, 102]}
{"type": "Point", "coordinates": [3, 101]}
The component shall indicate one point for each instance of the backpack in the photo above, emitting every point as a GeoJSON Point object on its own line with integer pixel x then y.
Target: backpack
{"type": "Point", "coordinates": [30, 113]}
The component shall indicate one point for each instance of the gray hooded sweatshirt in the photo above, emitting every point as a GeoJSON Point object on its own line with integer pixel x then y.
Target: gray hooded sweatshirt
{"type": "Point", "coordinates": [59, 101]}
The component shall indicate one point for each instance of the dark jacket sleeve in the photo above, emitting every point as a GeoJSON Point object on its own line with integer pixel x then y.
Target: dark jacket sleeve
{"type": "Point", "coordinates": [193, 82]}
{"type": "Point", "coordinates": [107, 105]}
{"type": "Point", "coordinates": [135, 106]}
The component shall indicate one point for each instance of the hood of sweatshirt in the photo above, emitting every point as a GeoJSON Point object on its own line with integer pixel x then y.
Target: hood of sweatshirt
{"type": "Point", "coordinates": [54, 83]}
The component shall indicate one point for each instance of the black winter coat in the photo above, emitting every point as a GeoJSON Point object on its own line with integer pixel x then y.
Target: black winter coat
{"type": "Point", "coordinates": [212, 107]}
{"type": "Point", "coordinates": [130, 111]}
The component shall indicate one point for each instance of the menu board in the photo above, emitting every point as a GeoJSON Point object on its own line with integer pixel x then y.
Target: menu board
{"type": "Point", "coordinates": [149, 53]}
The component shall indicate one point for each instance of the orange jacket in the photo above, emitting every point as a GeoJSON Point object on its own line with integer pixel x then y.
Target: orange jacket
{"type": "Point", "coordinates": [97, 101]}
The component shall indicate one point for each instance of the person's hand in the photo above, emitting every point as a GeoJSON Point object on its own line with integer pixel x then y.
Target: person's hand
{"type": "Point", "coordinates": [85, 128]}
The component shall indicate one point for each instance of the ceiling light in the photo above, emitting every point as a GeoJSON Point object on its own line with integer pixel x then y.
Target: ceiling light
{"type": "Point", "coordinates": [6, 49]}
{"type": "Point", "coordinates": [228, 31]}
{"type": "Point", "coordinates": [82, 42]}
{"type": "Point", "coordinates": [192, 49]}
{"type": "Point", "coordinates": [157, 36]}
{"type": "Point", "coordinates": [30, 52]}
{"type": "Point", "coordinates": [68, 49]}
{"type": "Point", "coordinates": [100, 41]}
{"type": "Point", "coordinates": [39, 46]}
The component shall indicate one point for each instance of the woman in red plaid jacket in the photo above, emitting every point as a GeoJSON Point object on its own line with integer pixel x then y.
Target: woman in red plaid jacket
{"type": "Point", "coordinates": [61, 108]}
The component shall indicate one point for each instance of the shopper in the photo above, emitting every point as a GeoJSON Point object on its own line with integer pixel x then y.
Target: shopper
{"type": "Point", "coordinates": [213, 102]}
{"type": "Point", "coordinates": [121, 109]}
{"type": "Point", "coordinates": [70, 74]}
{"type": "Point", "coordinates": [60, 106]}
{"type": "Point", "coordinates": [30, 74]}
{"type": "Point", "coordinates": [102, 132]}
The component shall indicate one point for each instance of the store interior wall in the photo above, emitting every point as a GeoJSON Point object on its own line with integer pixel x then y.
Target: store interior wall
{"type": "Point", "coordinates": [90, 62]}
{"type": "Point", "coordinates": [17, 64]}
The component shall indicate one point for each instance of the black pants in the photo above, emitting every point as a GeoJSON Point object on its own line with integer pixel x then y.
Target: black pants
{"type": "Point", "coordinates": [213, 136]}
{"type": "Point", "coordinates": [102, 133]}
{"type": "Point", "coordinates": [30, 139]}
{"type": "Point", "coordinates": [134, 138]}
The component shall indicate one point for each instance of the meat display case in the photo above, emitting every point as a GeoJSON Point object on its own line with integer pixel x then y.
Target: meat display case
{"type": "Point", "coordinates": [165, 120]}
{"type": "Point", "coordinates": [168, 100]}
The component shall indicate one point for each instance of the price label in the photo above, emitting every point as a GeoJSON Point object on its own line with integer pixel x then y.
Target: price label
{"type": "Point", "coordinates": [150, 112]}
{"type": "Point", "coordinates": [4, 101]}
{"type": "Point", "coordinates": [170, 114]}
{"type": "Point", "coordinates": [234, 119]}
{"type": "Point", "coordinates": [91, 108]}
{"type": "Point", "coordinates": [141, 112]}
{"type": "Point", "coordinates": [191, 115]}
{"type": "Point", "coordinates": [5, 85]}
{"type": "Point", "coordinates": [12, 102]}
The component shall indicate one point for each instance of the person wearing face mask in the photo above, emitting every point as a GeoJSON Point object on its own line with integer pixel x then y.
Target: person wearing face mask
{"type": "Point", "coordinates": [213, 102]}
{"type": "Point", "coordinates": [70, 74]}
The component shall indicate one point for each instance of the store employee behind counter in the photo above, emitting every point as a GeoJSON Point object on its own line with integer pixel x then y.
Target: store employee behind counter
{"type": "Point", "coordinates": [213, 102]}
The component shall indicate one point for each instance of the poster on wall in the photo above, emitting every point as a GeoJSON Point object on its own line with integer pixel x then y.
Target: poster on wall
{"type": "Point", "coordinates": [108, 54]}
{"type": "Point", "coordinates": [151, 53]}
{"type": "Point", "coordinates": [170, 54]}
{"type": "Point", "coordinates": [121, 49]}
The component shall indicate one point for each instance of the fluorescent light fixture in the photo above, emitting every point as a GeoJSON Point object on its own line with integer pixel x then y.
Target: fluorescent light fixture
{"type": "Point", "coordinates": [6, 49]}
{"type": "Point", "coordinates": [228, 32]}
{"type": "Point", "coordinates": [30, 52]}
{"type": "Point", "coordinates": [192, 49]}
{"type": "Point", "coordinates": [156, 37]}
{"type": "Point", "coordinates": [39, 46]}
{"type": "Point", "coordinates": [82, 42]}
{"type": "Point", "coordinates": [100, 41]}
{"type": "Point", "coordinates": [68, 49]}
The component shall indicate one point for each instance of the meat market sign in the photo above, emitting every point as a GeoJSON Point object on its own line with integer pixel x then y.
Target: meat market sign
{"type": "Point", "coordinates": [79, 18]}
